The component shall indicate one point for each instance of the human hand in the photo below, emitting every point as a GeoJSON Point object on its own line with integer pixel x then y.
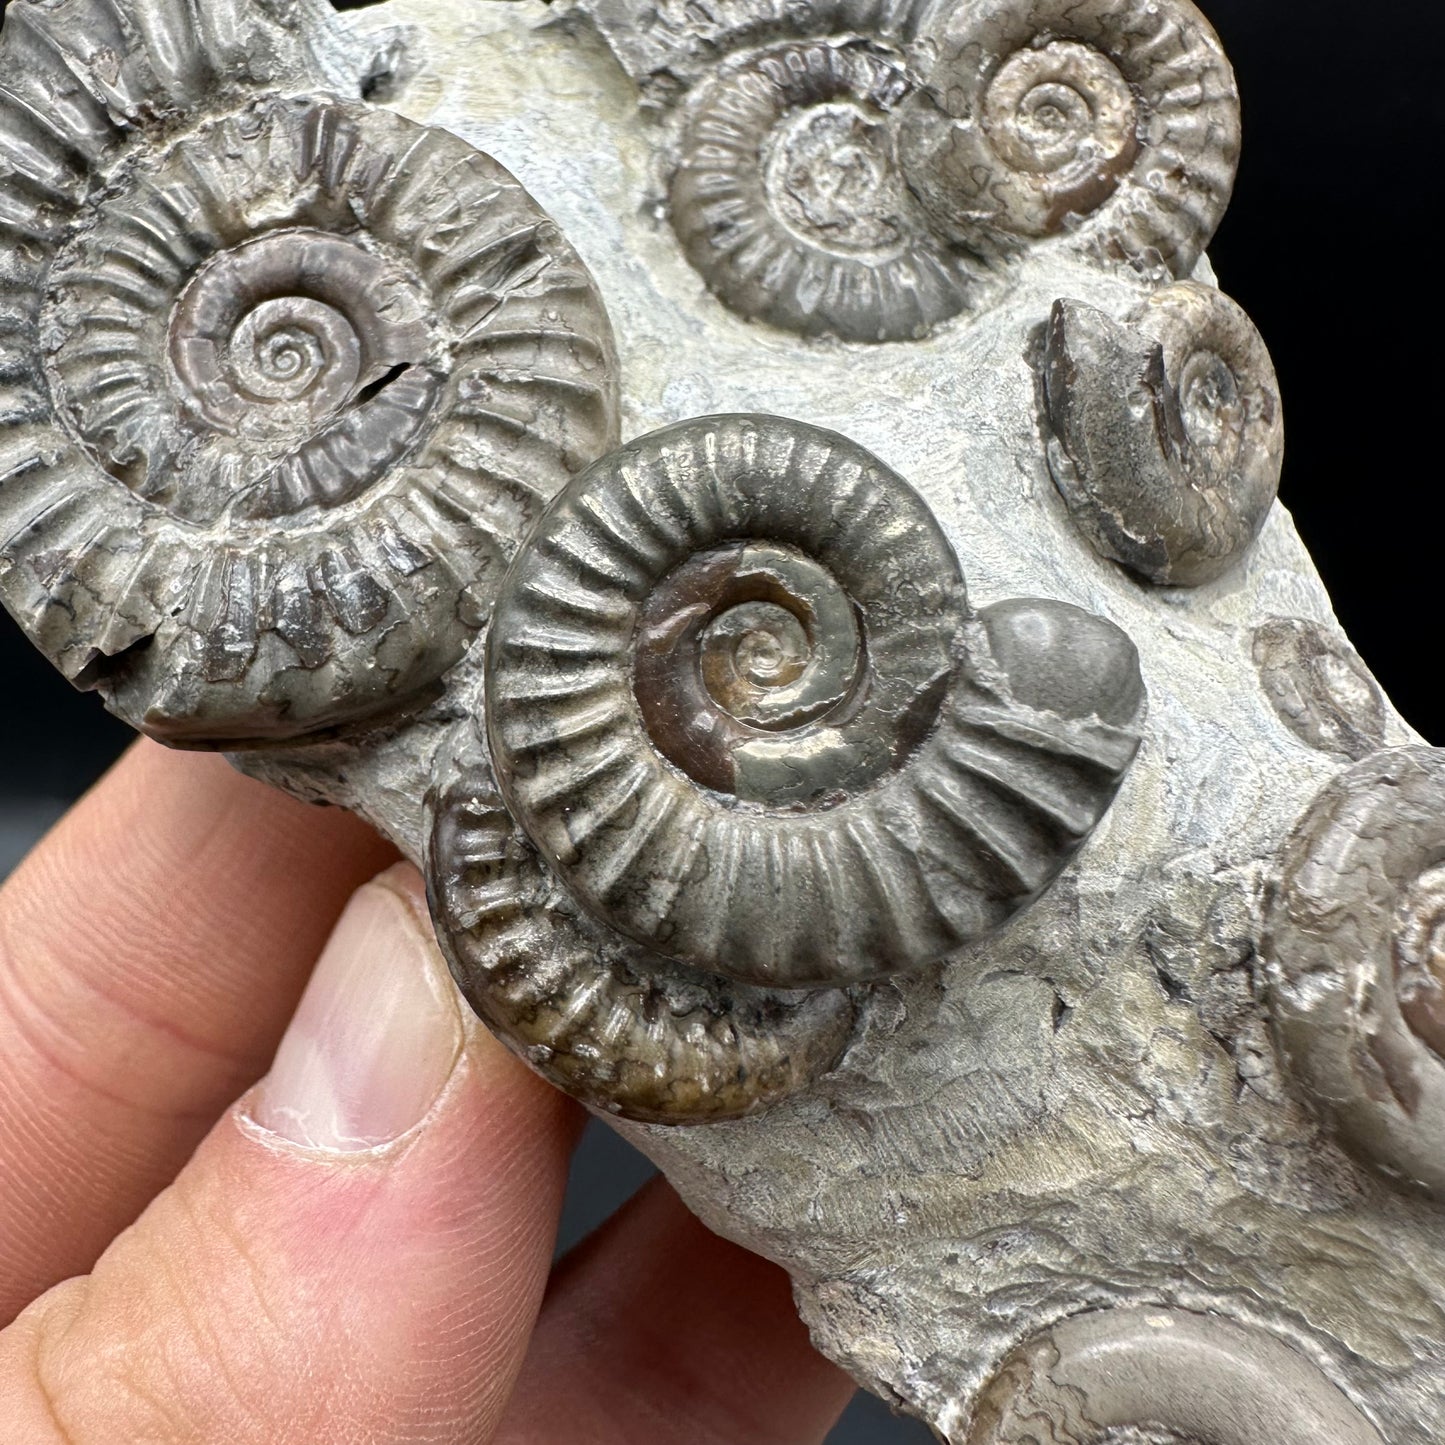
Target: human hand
{"type": "Point", "coordinates": [358, 1250]}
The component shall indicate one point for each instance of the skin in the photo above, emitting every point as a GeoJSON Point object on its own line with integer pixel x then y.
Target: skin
{"type": "Point", "coordinates": [171, 1272]}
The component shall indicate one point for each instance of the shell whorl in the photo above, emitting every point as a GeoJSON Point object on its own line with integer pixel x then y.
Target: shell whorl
{"type": "Point", "coordinates": [618, 1027]}
{"type": "Point", "coordinates": [667, 43]}
{"type": "Point", "coordinates": [1117, 118]}
{"type": "Point", "coordinates": [287, 380]}
{"type": "Point", "coordinates": [1167, 433]}
{"type": "Point", "coordinates": [714, 777]}
{"type": "Point", "coordinates": [1164, 1375]}
{"type": "Point", "coordinates": [788, 200]}
{"type": "Point", "coordinates": [1355, 946]}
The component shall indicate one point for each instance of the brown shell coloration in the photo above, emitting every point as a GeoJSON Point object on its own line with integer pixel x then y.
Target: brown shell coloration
{"type": "Point", "coordinates": [1118, 119]}
{"type": "Point", "coordinates": [1164, 1377]}
{"type": "Point", "coordinates": [284, 378]}
{"type": "Point", "coordinates": [1355, 946]}
{"type": "Point", "coordinates": [616, 1026]}
{"type": "Point", "coordinates": [788, 199]}
{"type": "Point", "coordinates": [1166, 432]}
{"type": "Point", "coordinates": [1319, 688]}
{"type": "Point", "coordinates": [737, 701]}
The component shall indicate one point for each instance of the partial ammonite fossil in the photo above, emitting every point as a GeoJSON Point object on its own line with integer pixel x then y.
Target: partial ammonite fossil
{"type": "Point", "coordinates": [1117, 119]}
{"type": "Point", "coordinates": [668, 44]}
{"type": "Point", "coordinates": [285, 378]}
{"type": "Point", "coordinates": [1355, 946]}
{"type": "Point", "coordinates": [620, 1027]}
{"type": "Point", "coordinates": [1140, 1376]}
{"type": "Point", "coordinates": [758, 750]}
{"type": "Point", "coordinates": [1166, 431]}
{"type": "Point", "coordinates": [787, 196]}
{"type": "Point", "coordinates": [1319, 688]}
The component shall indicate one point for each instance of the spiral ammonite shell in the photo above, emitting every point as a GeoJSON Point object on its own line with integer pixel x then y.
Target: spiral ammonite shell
{"type": "Point", "coordinates": [1117, 117]}
{"type": "Point", "coordinates": [615, 1025]}
{"type": "Point", "coordinates": [737, 701]}
{"type": "Point", "coordinates": [1167, 432]}
{"type": "Point", "coordinates": [1355, 945]}
{"type": "Point", "coordinates": [285, 383]}
{"type": "Point", "coordinates": [1164, 1377]}
{"type": "Point", "coordinates": [788, 199]}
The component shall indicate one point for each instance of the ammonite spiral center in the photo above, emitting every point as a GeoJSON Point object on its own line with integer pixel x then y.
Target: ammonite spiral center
{"type": "Point", "coordinates": [738, 646]}
{"type": "Point", "coordinates": [834, 182]}
{"type": "Point", "coordinates": [1211, 409]}
{"type": "Point", "coordinates": [759, 644]}
{"type": "Point", "coordinates": [275, 336]}
{"type": "Point", "coordinates": [1420, 958]}
{"type": "Point", "coordinates": [295, 349]}
{"type": "Point", "coordinates": [1063, 105]}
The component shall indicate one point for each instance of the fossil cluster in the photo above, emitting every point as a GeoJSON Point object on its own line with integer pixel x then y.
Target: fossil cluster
{"type": "Point", "coordinates": [284, 375]}
{"type": "Point", "coordinates": [914, 784]}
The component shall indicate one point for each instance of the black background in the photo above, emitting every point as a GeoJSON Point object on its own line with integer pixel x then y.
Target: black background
{"type": "Point", "coordinates": [1330, 244]}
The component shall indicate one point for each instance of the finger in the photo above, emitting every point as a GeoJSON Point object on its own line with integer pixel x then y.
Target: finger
{"type": "Point", "coordinates": [356, 1253]}
{"type": "Point", "coordinates": [151, 950]}
{"type": "Point", "coordinates": [656, 1329]}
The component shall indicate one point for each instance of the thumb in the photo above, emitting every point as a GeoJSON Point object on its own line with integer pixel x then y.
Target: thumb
{"type": "Point", "coordinates": [357, 1250]}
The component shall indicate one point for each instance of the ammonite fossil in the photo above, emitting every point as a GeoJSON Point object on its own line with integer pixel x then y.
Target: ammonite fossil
{"type": "Point", "coordinates": [622, 1028]}
{"type": "Point", "coordinates": [1356, 953]}
{"type": "Point", "coordinates": [1163, 1377]}
{"type": "Point", "coordinates": [1166, 433]}
{"type": "Point", "coordinates": [667, 44]}
{"type": "Point", "coordinates": [1118, 119]}
{"type": "Point", "coordinates": [788, 199]}
{"type": "Point", "coordinates": [757, 744]}
{"type": "Point", "coordinates": [291, 377]}
{"type": "Point", "coordinates": [738, 701]}
{"type": "Point", "coordinates": [1319, 688]}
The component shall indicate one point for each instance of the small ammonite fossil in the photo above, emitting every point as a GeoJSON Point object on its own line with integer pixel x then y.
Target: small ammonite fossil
{"type": "Point", "coordinates": [758, 749]}
{"type": "Point", "coordinates": [1166, 435]}
{"type": "Point", "coordinates": [1141, 1376]}
{"type": "Point", "coordinates": [737, 700]}
{"type": "Point", "coordinates": [787, 197]}
{"type": "Point", "coordinates": [1118, 119]}
{"type": "Point", "coordinates": [285, 379]}
{"type": "Point", "coordinates": [1319, 688]}
{"type": "Point", "coordinates": [1355, 946]}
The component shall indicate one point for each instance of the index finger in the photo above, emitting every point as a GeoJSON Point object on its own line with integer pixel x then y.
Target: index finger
{"type": "Point", "coordinates": [152, 949]}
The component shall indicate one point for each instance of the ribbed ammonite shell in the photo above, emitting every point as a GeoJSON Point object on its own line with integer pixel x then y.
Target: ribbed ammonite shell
{"type": "Point", "coordinates": [1355, 946]}
{"type": "Point", "coordinates": [284, 378]}
{"type": "Point", "coordinates": [788, 199]}
{"type": "Point", "coordinates": [1118, 118]}
{"type": "Point", "coordinates": [669, 43]}
{"type": "Point", "coordinates": [620, 1027]}
{"type": "Point", "coordinates": [1167, 433]}
{"type": "Point", "coordinates": [737, 701]}
{"type": "Point", "coordinates": [1164, 1377]}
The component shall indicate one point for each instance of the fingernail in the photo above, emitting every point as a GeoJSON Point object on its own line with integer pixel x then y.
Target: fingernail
{"type": "Point", "coordinates": [376, 1035]}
